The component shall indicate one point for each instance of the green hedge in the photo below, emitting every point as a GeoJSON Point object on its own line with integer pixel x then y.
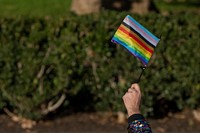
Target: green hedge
{"type": "Point", "coordinates": [43, 58]}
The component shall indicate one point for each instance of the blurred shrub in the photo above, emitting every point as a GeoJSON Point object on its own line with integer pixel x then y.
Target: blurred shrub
{"type": "Point", "coordinates": [43, 59]}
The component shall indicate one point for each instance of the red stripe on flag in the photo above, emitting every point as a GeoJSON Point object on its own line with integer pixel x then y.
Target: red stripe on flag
{"type": "Point", "coordinates": [135, 38]}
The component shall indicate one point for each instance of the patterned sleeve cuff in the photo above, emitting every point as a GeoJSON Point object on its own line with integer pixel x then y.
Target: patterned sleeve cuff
{"type": "Point", "coordinates": [135, 117]}
{"type": "Point", "coordinates": [137, 124]}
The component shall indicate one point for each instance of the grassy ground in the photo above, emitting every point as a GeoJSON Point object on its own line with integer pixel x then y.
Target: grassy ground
{"type": "Point", "coordinates": [178, 6]}
{"type": "Point", "coordinates": [10, 8]}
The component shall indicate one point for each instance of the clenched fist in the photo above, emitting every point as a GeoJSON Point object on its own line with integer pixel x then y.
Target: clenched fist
{"type": "Point", "coordinates": [132, 100]}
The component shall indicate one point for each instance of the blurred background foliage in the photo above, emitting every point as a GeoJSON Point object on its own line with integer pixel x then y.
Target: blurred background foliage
{"type": "Point", "coordinates": [12, 8]}
{"type": "Point", "coordinates": [68, 63]}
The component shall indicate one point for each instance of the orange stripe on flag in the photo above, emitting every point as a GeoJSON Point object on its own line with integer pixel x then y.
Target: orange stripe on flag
{"type": "Point", "coordinates": [136, 39]}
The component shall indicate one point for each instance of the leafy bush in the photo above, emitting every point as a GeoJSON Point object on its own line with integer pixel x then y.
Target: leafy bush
{"type": "Point", "coordinates": [46, 63]}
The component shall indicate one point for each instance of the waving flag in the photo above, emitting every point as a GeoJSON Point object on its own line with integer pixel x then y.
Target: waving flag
{"type": "Point", "coordinates": [136, 39]}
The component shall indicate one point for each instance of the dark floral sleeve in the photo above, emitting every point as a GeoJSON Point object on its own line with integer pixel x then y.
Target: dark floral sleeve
{"type": "Point", "coordinates": [137, 124]}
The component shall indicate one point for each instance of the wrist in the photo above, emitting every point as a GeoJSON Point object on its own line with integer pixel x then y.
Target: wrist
{"type": "Point", "coordinates": [130, 113]}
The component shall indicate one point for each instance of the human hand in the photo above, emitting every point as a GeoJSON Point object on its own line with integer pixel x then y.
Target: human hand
{"type": "Point", "coordinates": [132, 100]}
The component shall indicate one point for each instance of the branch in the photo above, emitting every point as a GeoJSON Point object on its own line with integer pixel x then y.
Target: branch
{"type": "Point", "coordinates": [41, 72]}
{"type": "Point", "coordinates": [94, 70]}
{"type": "Point", "coordinates": [51, 107]}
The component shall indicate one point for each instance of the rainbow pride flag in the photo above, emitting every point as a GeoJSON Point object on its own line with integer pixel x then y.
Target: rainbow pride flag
{"type": "Point", "coordinates": [136, 39]}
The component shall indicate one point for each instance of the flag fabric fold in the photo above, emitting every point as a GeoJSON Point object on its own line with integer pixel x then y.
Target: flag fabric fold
{"type": "Point", "coordinates": [136, 39]}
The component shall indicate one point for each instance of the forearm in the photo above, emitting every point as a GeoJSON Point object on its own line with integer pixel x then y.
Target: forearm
{"type": "Point", "coordinates": [137, 124]}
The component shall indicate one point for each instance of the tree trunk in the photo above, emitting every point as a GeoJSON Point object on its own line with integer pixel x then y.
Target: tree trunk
{"type": "Point", "coordinates": [143, 7]}
{"type": "Point", "coordinates": [93, 6]}
{"type": "Point", "coordinates": [85, 6]}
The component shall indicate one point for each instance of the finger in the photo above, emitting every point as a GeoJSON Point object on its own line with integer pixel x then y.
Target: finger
{"type": "Point", "coordinates": [136, 87]}
{"type": "Point", "coordinates": [131, 90]}
{"type": "Point", "coordinates": [125, 97]}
